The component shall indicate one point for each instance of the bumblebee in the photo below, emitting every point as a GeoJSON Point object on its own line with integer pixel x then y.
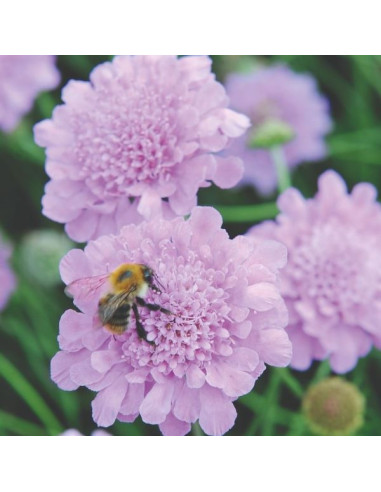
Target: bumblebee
{"type": "Point", "coordinates": [129, 284]}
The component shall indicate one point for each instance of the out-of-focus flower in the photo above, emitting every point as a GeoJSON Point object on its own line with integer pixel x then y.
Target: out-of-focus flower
{"type": "Point", "coordinates": [332, 281]}
{"type": "Point", "coordinates": [21, 79]}
{"type": "Point", "coordinates": [75, 432]}
{"type": "Point", "coordinates": [334, 407]}
{"type": "Point", "coordinates": [7, 278]}
{"type": "Point", "coordinates": [41, 252]}
{"type": "Point", "coordinates": [136, 141]}
{"type": "Point", "coordinates": [227, 321]}
{"type": "Point", "coordinates": [278, 96]}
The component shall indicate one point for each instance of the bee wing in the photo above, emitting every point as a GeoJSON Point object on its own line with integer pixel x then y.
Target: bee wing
{"type": "Point", "coordinates": [84, 288]}
{"type": "Point", "coordinates": [112, 303]}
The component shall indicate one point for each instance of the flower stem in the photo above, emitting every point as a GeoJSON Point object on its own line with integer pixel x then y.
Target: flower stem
{"type": "Point", "coordinates": [282, 170]}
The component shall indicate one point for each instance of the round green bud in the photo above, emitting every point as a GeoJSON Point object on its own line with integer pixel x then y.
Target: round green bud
{"type": "Point", "coordinates": [40, 254]}
{"type": "Point", "coordinates": [270, 133]}
{"type": "Point", "coordinates": [334, 407]}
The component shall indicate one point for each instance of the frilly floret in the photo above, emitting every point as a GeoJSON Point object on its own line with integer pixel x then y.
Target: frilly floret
{"type": "Point", "coordinates": [332, 281]}
{"type": "Point", "coordinates": [227, 322]}
{"type": "Point", "coordinates": [137, 141]}
{"type": "Point", "coordinates": [277, 95]}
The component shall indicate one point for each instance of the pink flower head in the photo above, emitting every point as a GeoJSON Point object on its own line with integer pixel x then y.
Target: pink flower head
{"type": "Point", "coordinates": [145, 129]}
{"type": "Point", "coordinates": [21, 79]}
{"type": "Point", "coordinates": [332, 282]}
{"type": "Point", "coordinates": [226, 322]}
{"type": "Point", "coordinates": [278, 93]}
{"type": "Point", "coordinates": [7, 278]}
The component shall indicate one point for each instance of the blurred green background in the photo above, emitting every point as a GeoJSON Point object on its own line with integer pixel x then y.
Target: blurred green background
{"type": "Point", "coordinates": [30, 403]}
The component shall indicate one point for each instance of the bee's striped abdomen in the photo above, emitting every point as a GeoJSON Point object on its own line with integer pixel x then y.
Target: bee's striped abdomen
{"type": "Point", "coordinates": [121, 315]}
{"type": "Point", "coordinates": [114, 320]}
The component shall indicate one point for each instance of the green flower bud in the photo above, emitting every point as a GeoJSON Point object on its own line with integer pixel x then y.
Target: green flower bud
{"type": "Point", "coordinates": [270, 133]}
{"type": "Point", "coordinates": [40, 254]}
{"type": "Point", "coordinates": [334, 407]}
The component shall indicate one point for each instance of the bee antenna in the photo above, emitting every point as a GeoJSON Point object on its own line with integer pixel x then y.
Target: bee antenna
{"type": "Point", "coordinates": [157, 281]}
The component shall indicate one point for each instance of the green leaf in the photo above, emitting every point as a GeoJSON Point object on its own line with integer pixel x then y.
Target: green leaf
{"type": "Point", "coordinates": [18, 426]}
{"type": "Point", "coordinates": [21, 386]}
{"type": "Point", "coordinates": [248, 213]}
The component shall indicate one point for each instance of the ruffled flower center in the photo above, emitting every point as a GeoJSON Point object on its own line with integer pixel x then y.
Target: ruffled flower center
{"type": "Point", "coordinates": [195, 332]}
{"type": "Point", "coordinates": [133, 134]}
{"type": "Point", "coordinates": [335, 266]}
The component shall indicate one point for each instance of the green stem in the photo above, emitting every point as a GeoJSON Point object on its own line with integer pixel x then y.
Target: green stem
{"type": "Point", "coordinates": [248, 213]}
{"type": "Point", "coordinates": [265, 406]}
{"type": "Point", "coordinates": [282, 170]}
{"type": "Point", "coordinates": [258, 405]}
{"type": "Point", "coordinates": [12, 375]}
{"type": "Point", "coordinates": [323, 371]}
{"type": "Point", "coordinates": [272, 404]}
{"type": "Point", "coordinates": [291, 382]}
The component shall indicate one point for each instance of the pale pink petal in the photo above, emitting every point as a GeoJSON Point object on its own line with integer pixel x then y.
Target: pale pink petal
{"type": "Point", "coordinates": [83, 227]}
{"type": "Point", "coordinates": [275, 347]}
{"type": "Point", "coordinates": [106, 404]}
{"type": "Point", "coordinates": [187, 404]}
{"type": "Point", "coordinates": [174, 427]}
{"type": "Point", "coordinates": [232, 381]}
{"type": "Point", "coordinates": [195, 377]}
{"type": "Point", "coordinates": [83, 374]}
{"type": "Point", "coordinates": [229, 171]}
{"type": "Point", "coordinates": [234, 124]}
{"type": "Point", "coordinates": [157, 403]}
{"type": "Point", "coordinates": [74, 265]}
{"type": "Point", "coordinates": [217, 414]}
{"type": "Point", "coordinates": [60, 368]}
{"type": "Point", "coordinates": [261, 297]}
{"type": "Point", "coordinates": [243, 359]}
{"type": "Point", "coordinates": [73, 326]}
{"type": "Point", "coordinates": [302, 349]}
{"type": "Point", "coordinates": [133, 399]}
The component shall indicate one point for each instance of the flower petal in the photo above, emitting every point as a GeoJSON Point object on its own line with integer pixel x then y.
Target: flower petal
{"type": "Point", "coordinates": [217, 414]}
{"type": "Point", "coordinates": [157, 403]}
{"type": "Point", "coordinates": [174, 427]}
{"type": "Point", "coordinates": [107, 403]}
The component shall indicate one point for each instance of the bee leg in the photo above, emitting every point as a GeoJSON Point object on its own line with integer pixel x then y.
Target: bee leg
{"type": "Point", "coordinates": [139, 326]}
{"type": "Point", "coordinates": [152, 307]}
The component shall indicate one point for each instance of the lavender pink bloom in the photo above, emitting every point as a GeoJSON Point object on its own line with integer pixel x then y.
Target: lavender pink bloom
{"type": "Point", "coordinates": [278, 93]}
{"type": "Point", "coordinates": [227, 322]}
{"type": "Point", "coordinates": [332, 281]}
{"type": "Point", "coordinates": [7, 278]}
{"type": "Point", "coordinates": [21, 79]}
{"type": "Point", "coordinates": [137, 141]}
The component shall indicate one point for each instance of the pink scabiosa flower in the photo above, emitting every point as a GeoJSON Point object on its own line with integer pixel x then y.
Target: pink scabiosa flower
{"type": "Point", "coordinates": [277, 100]}
{"type": "Point", "coordinates": [332, 281]}
{"type": "Point", "coordinates": [227, 320]}
{"type": "Point", "coordinates": [141, 136]}
{"type": "Point", "coordinates": [7, 278]}
{"type": "Point", "coordinates": [21, 79]}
